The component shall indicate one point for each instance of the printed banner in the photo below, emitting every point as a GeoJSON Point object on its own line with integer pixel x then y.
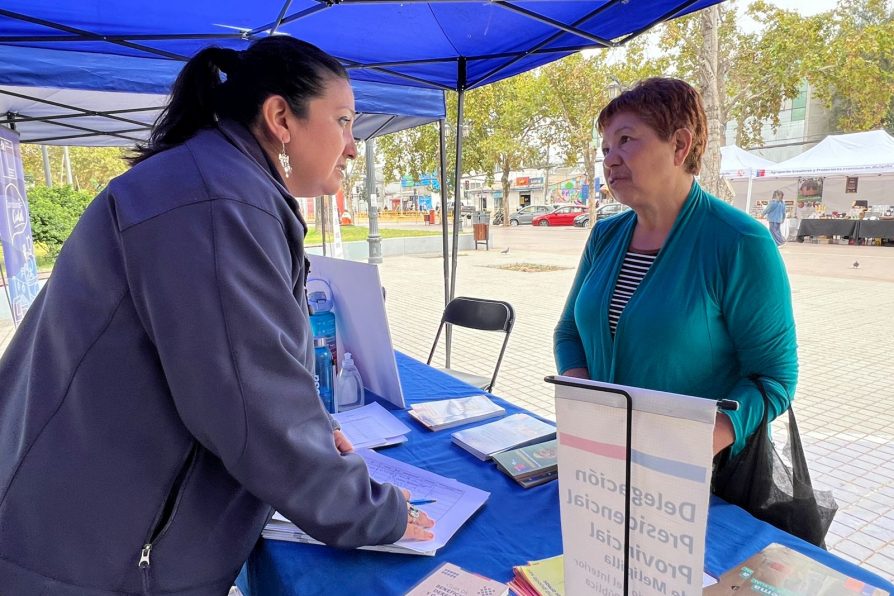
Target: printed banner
{"type": "Point", "coordinates": [669, 492]}
{"type": "Point", "coordinates": [15, 228]}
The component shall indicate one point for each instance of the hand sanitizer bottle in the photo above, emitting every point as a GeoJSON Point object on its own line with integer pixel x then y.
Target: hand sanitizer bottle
{"type": "Point", "coordinates": [348, 385]}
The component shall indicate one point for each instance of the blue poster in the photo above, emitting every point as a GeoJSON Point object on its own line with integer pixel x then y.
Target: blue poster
{"type": "Point", "coordinates": [15, 228]}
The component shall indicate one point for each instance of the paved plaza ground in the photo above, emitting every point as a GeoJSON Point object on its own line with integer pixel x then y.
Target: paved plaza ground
{"type": "Point", "coordinates": [845, 319]}
{"type": "Point", "coordinates": [845, 323]}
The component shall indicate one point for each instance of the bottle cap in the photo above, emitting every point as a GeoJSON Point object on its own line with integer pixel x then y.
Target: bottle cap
{"type": "Point", "coordinates": [348, 359]}
{"type": "Point", "coordinates": [318, 302]}
{"type": "Point", "coordinates": [319, 342]}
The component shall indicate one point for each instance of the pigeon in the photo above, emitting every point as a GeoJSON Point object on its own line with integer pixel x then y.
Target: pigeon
{"type": "Point", "coordinates": [505, 252]}
{"type": "Point", "coordinates": [856, 265]}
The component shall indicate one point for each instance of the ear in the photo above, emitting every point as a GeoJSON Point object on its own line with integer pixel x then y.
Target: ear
{"type": "Point", "coordinates": [682, 140]}
{"type": "Point", "coordinates": [274, 119]}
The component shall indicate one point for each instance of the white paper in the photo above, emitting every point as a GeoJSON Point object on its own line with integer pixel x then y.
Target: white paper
{"type": "Point", "coordinates": [371, 426]}
{"type": "Point", "coordinates": [671, 472]}
{"type": "Point", "coordinates": [455, 504]}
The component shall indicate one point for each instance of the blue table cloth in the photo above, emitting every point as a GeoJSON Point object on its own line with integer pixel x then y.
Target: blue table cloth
{"type": "Point", "coordinates": [515, 526]}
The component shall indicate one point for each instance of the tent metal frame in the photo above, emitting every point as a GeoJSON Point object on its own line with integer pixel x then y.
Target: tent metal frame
{"type": "Point", "coordinates": [132, 41]}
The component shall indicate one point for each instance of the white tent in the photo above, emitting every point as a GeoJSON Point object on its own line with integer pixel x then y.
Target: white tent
{"type": "Point", "coordinates": [736, 163]}
{"type": "Point", "coordinates": [869, 156]}
{"type": "Point", "coordinates": [867, 153]}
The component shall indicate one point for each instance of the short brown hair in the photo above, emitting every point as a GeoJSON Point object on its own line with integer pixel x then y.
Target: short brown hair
{"type": "Point", "coordinates": [666, 105]}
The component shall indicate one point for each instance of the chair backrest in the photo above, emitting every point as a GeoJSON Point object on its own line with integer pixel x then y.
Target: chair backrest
{"type": "Point", "coordinates": [481, 314]}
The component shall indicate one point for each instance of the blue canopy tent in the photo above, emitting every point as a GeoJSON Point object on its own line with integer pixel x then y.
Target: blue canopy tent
{"type": "Point", "coordinates": [55, 97]}
{"type": "Point", "coordinates": [448, 44]}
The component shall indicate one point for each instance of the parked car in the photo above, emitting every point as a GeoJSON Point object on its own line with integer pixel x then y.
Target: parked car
{"type": "Point", "coordinates": [562, 215]}
{"type": "Point", "coordinates": [526, 214]}
{"type": "Point", "coordinates": [602, 212]}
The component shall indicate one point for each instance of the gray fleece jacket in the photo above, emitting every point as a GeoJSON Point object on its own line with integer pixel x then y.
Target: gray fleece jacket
{"type": "Point", "coordinates": [159, 398]}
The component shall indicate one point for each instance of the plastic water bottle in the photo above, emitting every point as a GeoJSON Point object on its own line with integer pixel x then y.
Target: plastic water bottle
{"type": "Point", "coordinates": [323, 373]}
{"type": "Point", "coordinates": [348, 386]}
{"type": "Point", "coordinates": [322, 320]}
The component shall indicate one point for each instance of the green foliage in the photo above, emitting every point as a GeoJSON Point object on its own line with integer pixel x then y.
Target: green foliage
{"type": "Point", "coordinates": [853, 71]}
{"type": "Point", "coordinates": [54, 213]}
{"type": "Point", "coordinates": [91, 167]}
{"type": "Point", "coordinates": [360, 233]}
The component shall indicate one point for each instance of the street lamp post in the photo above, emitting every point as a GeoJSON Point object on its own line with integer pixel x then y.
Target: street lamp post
{"type": "Point", "coordinates": [375, 241]}
{"type": "Point", "coordinates": [612, 90]}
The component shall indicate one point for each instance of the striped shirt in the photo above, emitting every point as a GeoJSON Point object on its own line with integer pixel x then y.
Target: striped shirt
{"type": "Point", "coordinates": [633, 270]}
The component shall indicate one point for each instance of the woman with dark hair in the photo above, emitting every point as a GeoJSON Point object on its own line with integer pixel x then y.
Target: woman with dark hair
{"type": "Point", "coordinates": [683, 293]}
{"type": "Point", "coordinates": [159, 395]}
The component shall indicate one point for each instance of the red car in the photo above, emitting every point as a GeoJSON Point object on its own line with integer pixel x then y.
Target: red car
{"type": "Point", "coordinates": [562, 215]}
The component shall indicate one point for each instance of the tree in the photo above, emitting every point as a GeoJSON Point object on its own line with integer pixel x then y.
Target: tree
{"type": "Point", "coordinates": [853, 69]}
{"type": "Point", "coordinates": [579, 87]}
{"type": "Point", "coordinates": [92, 167]}
{"type": "Point", "coordinates": [54, 213]}
{"type": "Point", "coordinates": [506, 127]}
{"type": "Point", "coordinates": [742, 77]}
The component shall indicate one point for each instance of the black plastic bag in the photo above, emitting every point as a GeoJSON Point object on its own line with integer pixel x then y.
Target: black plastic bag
{"type": "Point", "coordinates": [760, 482]}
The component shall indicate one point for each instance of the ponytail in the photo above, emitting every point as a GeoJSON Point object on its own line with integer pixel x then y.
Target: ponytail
{"type": "Point", "coordinates": [275, 65]}
{"type": "Point", "coordinates": [192, 105]}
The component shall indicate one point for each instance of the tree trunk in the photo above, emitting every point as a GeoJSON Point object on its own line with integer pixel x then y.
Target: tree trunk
{"type": "Point", "coordinates": [504, 179]}
{"type": "Point", "coordinates": [709, 78]}
{"type": "Point", "coordinates": [590, 169]}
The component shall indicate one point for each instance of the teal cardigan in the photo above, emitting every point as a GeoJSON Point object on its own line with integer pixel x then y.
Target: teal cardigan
{"type": "Point", "coordinates": [714, 308]}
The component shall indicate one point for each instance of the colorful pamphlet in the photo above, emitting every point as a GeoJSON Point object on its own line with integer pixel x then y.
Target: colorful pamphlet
{"type": "Point", "coordinates": [530, 465]}
{"type": "Point", "coordinates": [513, 431]}
{"type": "Point", "coordinates": [545, 577]}
{"type": "Point", "coordinates": [780, 570]}
{"type": "Point", "coordinates": [447, 413]}
{"type": "Point", "coordinates": [449, 579]}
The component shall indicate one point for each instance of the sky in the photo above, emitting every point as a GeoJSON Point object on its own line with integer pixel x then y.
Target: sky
{"type": "Point", "coordinates": [804, 7]}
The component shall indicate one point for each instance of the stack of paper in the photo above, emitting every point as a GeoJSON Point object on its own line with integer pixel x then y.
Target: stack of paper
{"type": "Point", "coordinates": [452, 503]}
{"type": "Point", "coordinates": [530, 465]}
{"type": "Point", "coordinates": [545, 577]}
{"type": "Point", "coordinates": [452, 579]}
{"type": "Point", "coordinates": [371, 426]}
{"type": "Point", "coordinates": [447, 413]}
{"type": "Point", "coordinates": [513, 431]}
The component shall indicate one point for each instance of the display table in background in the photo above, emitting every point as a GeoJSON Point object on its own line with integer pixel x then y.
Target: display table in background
{"type": "Point", "coordinates": [514, 526]}
{"type": "Point", "coordinates": [827, 227]}
{"type": "Point", "coordinates": [847, 228]}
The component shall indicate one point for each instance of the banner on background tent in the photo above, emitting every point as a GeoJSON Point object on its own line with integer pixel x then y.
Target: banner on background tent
{"type": "Point", "coordinates": [15, 228]}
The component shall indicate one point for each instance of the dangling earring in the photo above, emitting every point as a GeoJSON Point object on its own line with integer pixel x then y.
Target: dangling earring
{"type": "Point", "coordinates": [284, 161]}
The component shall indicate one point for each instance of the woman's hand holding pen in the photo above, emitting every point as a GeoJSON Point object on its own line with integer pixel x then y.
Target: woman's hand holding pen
{"type": "Point", "coordinates": [418, 522]}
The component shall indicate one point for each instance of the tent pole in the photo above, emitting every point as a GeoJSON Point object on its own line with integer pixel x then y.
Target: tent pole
{"type": "Point", "coordinates": [321, 217]}
{"type": "Point", "coordinates": [442, 137]}
{"type": "Point", "coordinates": [457, 187]}
{"type": "Point", "coordinates": [374, 239]}
{"type": "Point", "coordinates": [748, 194]}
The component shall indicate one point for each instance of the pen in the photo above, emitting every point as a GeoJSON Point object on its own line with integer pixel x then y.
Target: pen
{"type": "Point", "coordinates": [422, 501]}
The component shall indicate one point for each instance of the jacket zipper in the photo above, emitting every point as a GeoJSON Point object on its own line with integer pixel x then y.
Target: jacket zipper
{"type": "Point", "coordinates": [166, 515]}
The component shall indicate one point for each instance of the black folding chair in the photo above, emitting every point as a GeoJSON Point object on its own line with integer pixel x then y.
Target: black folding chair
{"type": "Point", "coordinates": [481, 314]}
